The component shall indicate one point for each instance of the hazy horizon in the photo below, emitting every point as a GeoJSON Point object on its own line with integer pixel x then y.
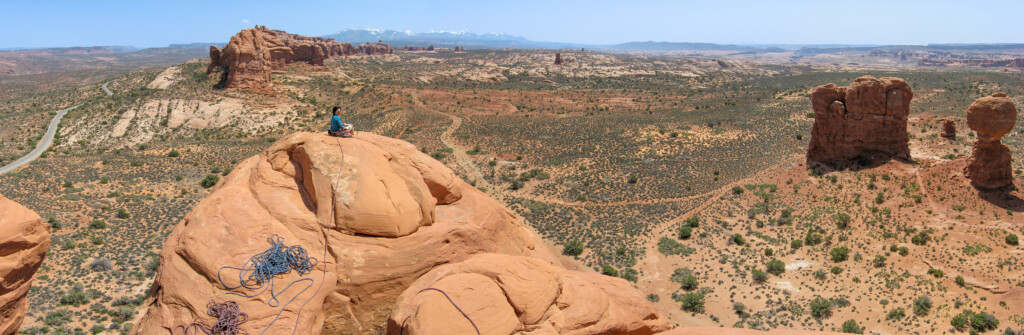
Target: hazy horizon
{"type": "Point", "coordinates": [68, 23]}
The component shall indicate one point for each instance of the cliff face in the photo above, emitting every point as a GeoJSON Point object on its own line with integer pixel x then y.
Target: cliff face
{"type": "Point", "coordinates": [375, 212]}
{"type": "Point", "coordinates": [992, 118]}
{"type": "Point", "coordinates": [252, 54]}
{"type": "Point", "coordinates": [24, 241]}
{"type": "Point", "coordinates": [868, 119]}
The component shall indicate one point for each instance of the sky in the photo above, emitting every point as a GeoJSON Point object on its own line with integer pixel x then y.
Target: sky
{"type": "Point", "coordinates": [143, 23]}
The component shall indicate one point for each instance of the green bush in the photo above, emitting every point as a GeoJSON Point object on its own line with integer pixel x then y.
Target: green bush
{"type": "Point", "coordinates": [684, 232]}
{"type": "Point", "coordinates": [97, 224]}
{"type": "Point", "coordinates": [1012, 239]}
{"type": "Point", "coordinates": [693, 221]}
{"type": "Point", "coordinates": [737, 239]}
{"type": "Point", "coordinates": [608, 270]}
{"type": "Point", "coordinates": [173, 153]}
{"type": "Point", "coordinates": [668, 246]}
{"type": "Point", "coordinates": [692, 302]}
{"type": "Point", "coordinates": [896, 314]}
{"type": "Point", "coordinates": [879, 261]}
{"type": "Point", "coordinates": [851, 327]}
{"type": "Point", "coordinates": [209, 181]}
{"type": "Point", "coordinates": [821, 308]}
{"type": "Point", "coordinates": [685, 279]}
{"type": "Point", "coordinates": [842, 220]}
{"type": "Point", "coordinates": [123, 214]}
{"type": "Point", "coordinates": [959, 280]}
{"type": "Point", "coordinates": [630, 274]}
{"type": "Point", "coordinates": [573, 248]}
{"type": "Point", "coordinates": [759, 276]}
{"type": "Point", "coordinates": [796, 244]}
{"type": "Point", "coordinates": [840, 254]}
{"type": "Point", "coordinates": [922, 305]}
{"type": "Point", "coordinates": [776, 267]}
{"type": "Point", "coordinates": [653, 297]}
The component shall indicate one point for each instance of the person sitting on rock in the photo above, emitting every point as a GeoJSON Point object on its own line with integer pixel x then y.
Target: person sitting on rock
{"type": "Point", "coordinates": [338, 128]}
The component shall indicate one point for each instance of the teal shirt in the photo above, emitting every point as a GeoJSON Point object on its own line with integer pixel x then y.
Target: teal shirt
{"type": "Point", "coordinates": [336, 123]}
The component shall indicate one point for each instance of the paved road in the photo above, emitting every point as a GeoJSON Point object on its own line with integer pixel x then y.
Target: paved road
{"type": "Point", "coordinates": [43, 144]}
{"type": "Point", "coordinates": [104, 87]}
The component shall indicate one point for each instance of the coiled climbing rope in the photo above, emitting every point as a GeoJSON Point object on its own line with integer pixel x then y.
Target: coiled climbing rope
{"type": "Point", "coordinates": [229, 318]}
{"type": "Point", "coordinates": [261, 269]}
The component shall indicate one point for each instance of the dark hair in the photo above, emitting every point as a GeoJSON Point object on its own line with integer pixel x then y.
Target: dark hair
{"type": "Point", "coordinates": [336, 109]}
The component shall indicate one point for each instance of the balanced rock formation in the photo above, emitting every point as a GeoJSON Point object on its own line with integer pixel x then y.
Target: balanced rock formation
{"type": "Point", "coordinates": [502, 294]}
{"type": "Point", "coordinates": [374, 211]}
{"type": "Point", "coordinates": [948, 129]}
{"type": "Point", "coordinates": [991, 117]}
{"type": "Point", "coordinates": [253, 54]}
{"type": "Point", "coordinates": [868, 119]}
{"type": "Point", "coordinates": [24, 241]}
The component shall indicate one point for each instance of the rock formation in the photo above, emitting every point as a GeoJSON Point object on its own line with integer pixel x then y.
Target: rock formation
{"type": "Point", "coordinates": [558, 58]}
{"type": "Point", "coordinates": [24, 241]}
{"type": "Point", "coordinates": [389, 214]}
{"type": "Point", "coordinates": [948, 129]}
{"type": "Point", "coordinates": [505, 294]}
{"type": "Point", "coordinates": [379, 48]}
{"type": "Point", "coordinates": [253, 54]}
{"type": "Point", "coordinates": [866, 120]}
{"type": "Point", "coordinates": [991, 117]}
{"type": "Point", "coordinates": [741, 331]}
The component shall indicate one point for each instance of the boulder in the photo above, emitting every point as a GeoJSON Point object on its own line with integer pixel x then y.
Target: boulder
{"type": "Point", "coordinates": [868, 119]}
{"type": "Point", "coordinates": [991, 118]}
{"type": "Point", "coordinates": [24, 241]}
{"type": "Point", "coordinates": [375, 212]}
{"type": "Point", "coordinates": [503, 294]}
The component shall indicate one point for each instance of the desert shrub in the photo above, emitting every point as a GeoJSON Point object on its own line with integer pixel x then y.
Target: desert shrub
{"type": "Point", "coordinates": [630, 274]}
{"type": "Point", "coordinates": [693, 221]}
{"type": "Point", "coordinates": [759, 276]}
{"type": "Point", "coordinates": [57, 318]}
{"type": "Point", "coordinates": [101, 264]}
{"type": "Point", "coordinates": [769, 252]}
{"type": "Point", "coordinates": [936, 273]}
{"type": "Point", "coordinates": [653, 297]}
{"type": "Point", "coordinates": [669, 246]}
{"type": "Point", "coordinates": [879, 261]}
{"type": "Point", "coordinates": [685, 279]}
{"type": "Point", "coordinates": [97, 224]}
{"type": "Point", "coordinates": [922, 305]}
{"type": "Point", "coordinates": [821, 308]}
{"type": "Point", "coordinates": [896, 314]}
{"type": "Point", "coordinates": [836, 270]}
{"type": "Point", "coordinates": [776, 267]}
{"type": "Point", "coordinates": [959, 280]}
{"type": "Point", "coordinates": [977, 322]}
{"type": "Point", "coordinates": [737, 190]}
{"type": "Point", "coordinates": [209, 181]}
{"type": "Point", "coordinates": [796, 244]}
{"type": "Point", "coordinates": [123, 214]}
{"type": "Point", "coordinates": [1012, 239]}
{"type": "Point", "coordinates": [573, 248]}
{"type": "Point", "coordinates": [608, 270]}
{"type": "Point", "coordinates": [737, 239]}
{"type": "Point", "coordinates": [920, 239]}
{"type": "Point", "coordinates": [173, 153]}
{"type": "Point", "coordinates": [692, 302]}
{"type": "Point", "coordinates": [840, 254]}
{"type": "Point", "coordinates": [842, 220]}
{"type": "Point", "coordinates": [851, 327]}
{"type": "Point", "coordinates": [820, 274]}
{"type": "Point", "coordinates": [684, 232]}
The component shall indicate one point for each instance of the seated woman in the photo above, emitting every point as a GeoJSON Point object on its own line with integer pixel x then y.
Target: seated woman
{"type": "Point", "coordinates": [338, 128]}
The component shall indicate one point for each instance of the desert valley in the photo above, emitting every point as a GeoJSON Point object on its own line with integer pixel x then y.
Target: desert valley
{"type": "Point", "coordinates": [646, 189]}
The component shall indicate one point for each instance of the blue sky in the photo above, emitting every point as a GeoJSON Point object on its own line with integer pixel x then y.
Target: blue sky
{"type": "Point", "coordinates": [62, 23]}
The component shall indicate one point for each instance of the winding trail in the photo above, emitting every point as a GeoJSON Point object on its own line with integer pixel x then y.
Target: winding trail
{"type": "Point", "coordinates": [42, 145]}
{"type": "Point", "coordinates": [47, 139]}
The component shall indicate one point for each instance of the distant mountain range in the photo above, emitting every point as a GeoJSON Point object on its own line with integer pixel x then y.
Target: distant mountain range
{"type": "Point", "coordinates": [469, 40]}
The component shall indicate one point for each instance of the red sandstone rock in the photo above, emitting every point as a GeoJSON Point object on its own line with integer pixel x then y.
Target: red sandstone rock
{"type": "Point", "coordinates": [949, 128]}
{"type": "Point", "coordinates": [505, 294]}
{"type": "Point", "coordinates": [991, 117]}
{"type": "Point", "coordinates": [867, 119]}
{"type": "Point", "coordinates": [24, 240]}
{"type": "Point", "coordinates": [558, 58]}
{"type": "Point", "coordinates": [252, 55]}
{"type": "Point", "coordinates": [379, 48]}
{"type": "Point", "coordinates": [390, 214]}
